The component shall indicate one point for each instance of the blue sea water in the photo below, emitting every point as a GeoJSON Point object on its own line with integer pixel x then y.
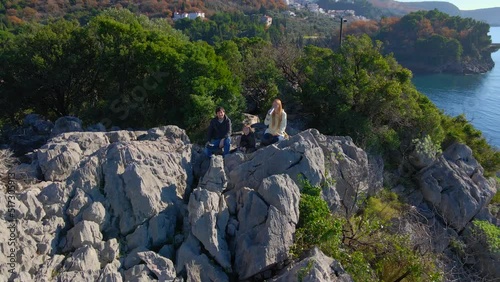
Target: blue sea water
{"type": "Point", "coordinates": [476, 96]}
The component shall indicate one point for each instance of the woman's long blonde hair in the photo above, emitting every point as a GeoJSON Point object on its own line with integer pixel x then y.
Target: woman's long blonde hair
{"type": "Point", "coordinates": [277, 115]}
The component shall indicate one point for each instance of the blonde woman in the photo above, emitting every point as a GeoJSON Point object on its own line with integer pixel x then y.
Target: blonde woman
{"type": "Point", "coordinates": [276, 124]}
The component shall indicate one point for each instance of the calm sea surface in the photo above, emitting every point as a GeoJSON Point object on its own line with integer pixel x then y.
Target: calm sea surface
{"type": "Point", "coordinates": [476, 96]}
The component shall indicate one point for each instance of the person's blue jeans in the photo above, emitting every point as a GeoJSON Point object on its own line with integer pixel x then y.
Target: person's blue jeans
{"type": "Point", "coordinates": [269, 139]}
{"type": "Point", "coordinates": [209, 150]}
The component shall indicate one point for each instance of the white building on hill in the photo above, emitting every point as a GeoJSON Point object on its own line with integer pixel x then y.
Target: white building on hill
{"type": "Point", "coordinates": [191, 16]}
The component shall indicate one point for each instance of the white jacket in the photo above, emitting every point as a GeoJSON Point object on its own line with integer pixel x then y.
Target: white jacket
{"type": "Point", "coordinates": [280, 128]}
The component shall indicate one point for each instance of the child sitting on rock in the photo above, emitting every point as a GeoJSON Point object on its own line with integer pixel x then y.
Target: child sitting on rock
{"type": "Point", "coordinates": [247, 140]}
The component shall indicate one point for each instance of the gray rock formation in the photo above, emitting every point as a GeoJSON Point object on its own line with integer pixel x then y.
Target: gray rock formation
{"type": "Point", "coordinates": [455, 186]}
{"type": "Point", "coordinates": [266, 224]}
{"type": "Point", "coordinates": [125, 205]}
{"type": "Point", "coordinates": [200, 269]}
{"type": "Point", "coordinates": [316, 267]}
{"type": "Point", "coordinates": [31, 135]}
{"type": "Point", "coordinates": [317, 158]}
{"type": "Point", "coordinates": [66, 124]}
{"type": "Point", "coordinates": [162, 267]}
{"type": "Point", "coordinates": [208, 217]}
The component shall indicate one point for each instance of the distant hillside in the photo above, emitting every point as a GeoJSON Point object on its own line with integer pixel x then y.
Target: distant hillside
{"type": "Point", "coordinates": [444, 7]}
{"type": "Point", "coordinates": [490, 15]}
{"type": "Point", "coordinates": [16, 12]}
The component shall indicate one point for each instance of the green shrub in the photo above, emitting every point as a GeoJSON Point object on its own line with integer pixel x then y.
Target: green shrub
{"type": "Point", "coordinates": [496, 198]}
{"type": "Point", "coordinates": [316, 226]}
{"type": "Point", "coordinates": [458, 129]}
{"type": "Point", "coordinates": [490, 232]}
{"type": "Point", "coordinates": [365, 244]}
{"type": "Point", "coordinates": [390, 254]}
{"type": "Point", "coordinates": [426, 146]}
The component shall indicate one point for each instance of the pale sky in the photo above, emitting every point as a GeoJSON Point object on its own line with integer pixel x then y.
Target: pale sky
{"type": "Point", "coordinates": [466, 4]}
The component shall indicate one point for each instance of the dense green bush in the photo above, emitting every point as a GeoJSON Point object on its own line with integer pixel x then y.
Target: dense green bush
{"type": "Point", "coordinates": [458, 129]}
{"type": "Point", "coordinates": [119, 69]}
{"type": "Point", "coordinates": [488, 232]}
{"type": "Point", "coordinates": [316, 226]}
{"type": "Point", "coordinates": [366, 244]}
{"type": "Point", "coordinates": [360, 93]}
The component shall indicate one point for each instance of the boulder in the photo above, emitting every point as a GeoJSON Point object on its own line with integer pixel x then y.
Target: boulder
{"type": "Point", "coordinates": [200, 269]}
{"type": "Point", "coordinates": [315, 267]}
{"type": "Point", "coordinates": [188, 251]}
{"type": "Point", "coordinates": [455, 186]}
{"type": "Point", "coordinates": [143, 178]}
{"type": "Point", "coordinates": [66, 124]}
{"type": "Point", "coordinates": [138, 273]}
{"type": "Point", "coordinates": [54, 198]}
{"type": "Point", "coordinates": [208, 216]}
{"type": "Point", "coordinates": [265, 233]}
{"type": "Point", "coordinates": [95, 212]}
{"type": "Point", "coordinates": [215, 179]}
{"type": "Point", "coordinates": [108, 251]}
{"type": "Point", "coordinates": [316, 158]}
{"type": "Point", "coordinates": [34, 133]}
{"type": "Point", "coordinates": [35, 209]}
{"type": "Point", "coordinates": [83, 233]}
{"type": "Point", "coordinates": [83, 259]}
{"type": "Point", "coordinates": [162, 267]}
{"type": "Point", "coordinates": [110, 273]}
{"type": "Point", "coordinates": [58, 160]}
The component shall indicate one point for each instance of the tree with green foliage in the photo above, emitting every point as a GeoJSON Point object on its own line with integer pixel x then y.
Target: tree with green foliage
{"type": "Point", "coordinates": [362, 94]}
{"type": "Point", "coordinates": [425, 40]}
{"type": "Point", "coordinates": [252, 61]}
{"type": "Point", "coordinates": [49, 69]}
{"type": "Point", "coordinates": [119, 69]}
{"type": "Point", "coordinates": [223, 26]}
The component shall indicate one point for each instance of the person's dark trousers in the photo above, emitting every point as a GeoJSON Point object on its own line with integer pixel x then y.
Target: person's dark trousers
{"type": "Point", "coordinates": [268, 139]}
{"type": "Point", "coordinates": [214, 146]}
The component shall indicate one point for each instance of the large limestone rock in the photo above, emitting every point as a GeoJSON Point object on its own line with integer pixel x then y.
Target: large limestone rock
{"type": "Point", "coordinates": [300, 155]}
{"type": "Point", "coordinates": [208, 216]}
{"type": "Point", "coordinates": [143, 178]}
{"type": "Point", "coordinates": [84, 233]}
{"type": "Point", "coordinates": [455, 186]}
{"type": "Point", "coordinates": [57, 161]}
{"type": "Point", "coordinates": [66, 124]}
{"type": "Point", "coordinates": [316, 158]}
{"type": "Point", "coordinates": [120, 206]}
{"type": "Point", "coordinates": [84, 258]}
{"type": "Point", "coordinates": [200, 270]}
{"type": "Point", "coordinates": [110, 273]}
{"type": "Point", "coordinates": [162, 267]}
{"type": "Point", "coordinates": [215, 178]}
{"type": "Point", "coordinates": [62, 154]}
{"type": "Point", "coordinates": [266, 227]}
{"type": "Point", "coordinates": [316, 267]}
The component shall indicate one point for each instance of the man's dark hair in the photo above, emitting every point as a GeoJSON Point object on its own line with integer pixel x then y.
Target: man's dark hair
{"type": "Point", "coordinates": [218, 109]}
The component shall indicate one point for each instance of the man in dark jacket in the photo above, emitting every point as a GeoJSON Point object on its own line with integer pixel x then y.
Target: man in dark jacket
{"type": "Point", "coordinates": [219, 133]}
